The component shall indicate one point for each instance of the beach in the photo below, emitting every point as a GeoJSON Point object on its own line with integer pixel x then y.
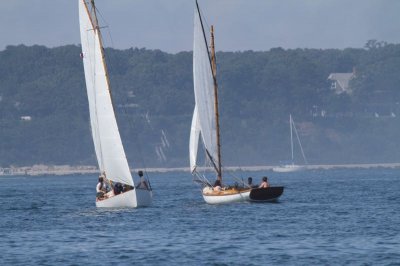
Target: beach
{"type": "Point", "coordinates": [41, 169]}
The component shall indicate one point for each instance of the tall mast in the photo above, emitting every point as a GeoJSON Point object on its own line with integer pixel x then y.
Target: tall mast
{"type": "Point", "coordinates": [96, 28]}
{"type": "Point", "coordinates": [214, 72]}
{"type": "Point", "coordinates": [291, 136]}
{"type": "Point", "coordinates": [213, 67]}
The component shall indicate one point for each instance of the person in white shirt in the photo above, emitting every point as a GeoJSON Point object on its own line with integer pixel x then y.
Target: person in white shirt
{"type": "Point", "coordinates": [143, 183]}
{"type": "Point", "coordinates": [100, 188]}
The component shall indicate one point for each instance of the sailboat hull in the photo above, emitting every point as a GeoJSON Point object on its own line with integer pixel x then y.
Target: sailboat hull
{"type": "Point", "coordinates": [288, 168]}
{"type": "Point", "coordinates": [130, 199]}
{"type": "Point", "coordinates": [144, 197]}
{"type": "Point", "coordinates": [269, 194]}
{"type": "Point", "coordinates": [222, 197]}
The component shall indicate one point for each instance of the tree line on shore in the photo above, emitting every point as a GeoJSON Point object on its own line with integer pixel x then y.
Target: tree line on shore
{"type": "Point", "coordinates": [153, 96]}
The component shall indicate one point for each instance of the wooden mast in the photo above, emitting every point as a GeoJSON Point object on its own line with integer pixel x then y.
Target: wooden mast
{"type": "Point", "coordinates": [96, 28]}
{"type": "Point", "coordinates": [213, 66]}
{"type": "Point", "coordinates": [214, 72]}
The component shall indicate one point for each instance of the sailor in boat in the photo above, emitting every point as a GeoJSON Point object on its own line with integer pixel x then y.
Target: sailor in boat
{"type": "Point", "coordinates": [100, 188]}
{"type": "Point", "coordinates": [103, 191]}
{"type": "Point", "coordinates": [143, 183]}
{"type": "Point", "coordinates": [250, 182]}
{"type": "Point", "coordinates": [217, 186]}
{"type": "Point", "coordinates": [264, 183]}
{"type": "Point", "coordinates": [126, 188]}
{"type": "Point", "coordinates": [118, 188]}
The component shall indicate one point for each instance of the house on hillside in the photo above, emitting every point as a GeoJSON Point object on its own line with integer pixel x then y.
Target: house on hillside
{"type": "Point", "coordinates": [340, 82]}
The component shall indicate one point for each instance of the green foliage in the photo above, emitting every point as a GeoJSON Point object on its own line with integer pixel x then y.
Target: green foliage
{"type": "Point", "coordinates": [153, 92]}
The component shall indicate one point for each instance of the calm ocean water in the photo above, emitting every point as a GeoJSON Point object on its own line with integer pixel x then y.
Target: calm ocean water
{"type": "Point", "coordinates": [335, 217]}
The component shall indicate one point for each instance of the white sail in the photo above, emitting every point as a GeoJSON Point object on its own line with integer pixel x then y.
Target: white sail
{"type": "Point", "coordinates": [204, 89]}
{"type": "Point", "coordinates": [107, 141]}
{"type": "Point", "coordinates": [194, 140]}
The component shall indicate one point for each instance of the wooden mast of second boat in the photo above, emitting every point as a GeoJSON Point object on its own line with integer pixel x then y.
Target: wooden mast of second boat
{"type": "Point", "coordinates": [214, 72]}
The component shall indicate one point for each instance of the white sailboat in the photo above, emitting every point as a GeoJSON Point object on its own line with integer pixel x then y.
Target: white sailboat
{"type": "Point", "coordinates": [292, 167]}
{"type": "Point", "coordinates": [205, 122]}
{"type": "Point", "coordinates": [107, 141]}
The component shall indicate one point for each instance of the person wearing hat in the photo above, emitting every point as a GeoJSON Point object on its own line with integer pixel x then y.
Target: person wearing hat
{"type": "Point", "coordinates": [264, 183]}
{"type": "Point", "coordinates": [143, 183]}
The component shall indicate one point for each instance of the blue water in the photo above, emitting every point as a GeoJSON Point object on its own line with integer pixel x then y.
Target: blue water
{"type": "Point", "coordinates": [331, 217]}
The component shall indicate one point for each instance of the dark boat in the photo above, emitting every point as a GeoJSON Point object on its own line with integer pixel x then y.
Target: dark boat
{"type": "Point", "coordinates": [266, 194]}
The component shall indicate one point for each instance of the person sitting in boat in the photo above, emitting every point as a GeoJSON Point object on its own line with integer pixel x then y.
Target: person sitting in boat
{"type": "Point", "coordinates": [100, 188]}
{"type": "Point", "coordinates": [217, 185]}
{"type": "Point", "coordinates": [118, 188]}
{"type": "Point", "coordinates": [264, 183]}
{"type": "Point", "coordinates": [143, 183]}
{"type": "Point", "coordinates": [250, 182]}
{"type": "Point", "coordinates": [126, 188]}
{"type": "Point", "coordinates": [109, 194]}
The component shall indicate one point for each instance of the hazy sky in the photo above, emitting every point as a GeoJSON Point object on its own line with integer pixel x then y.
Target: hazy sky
{"type": "Point", "coordinates": [240, 24]}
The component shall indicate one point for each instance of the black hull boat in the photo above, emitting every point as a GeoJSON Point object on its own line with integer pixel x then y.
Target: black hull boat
{"type": "Point", "coordinates": [269, 194]}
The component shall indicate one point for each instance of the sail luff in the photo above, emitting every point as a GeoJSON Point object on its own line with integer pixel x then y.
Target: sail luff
{"type": "Point", "coordinates": [204, 89]}
{"type": "Point", "coordinates": [103, 56]}
{"type": "Point", "coordinates": [204, 33]}
{"type": "Point", "coordinates": [90, 82]}
{"type": "Point", "coordinates": [194, 140]}
{"type": "Point", "coordinates": [107, 141]}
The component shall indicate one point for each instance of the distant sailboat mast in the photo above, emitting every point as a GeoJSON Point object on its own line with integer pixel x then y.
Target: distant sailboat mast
{"type": "Point", "coordinates": [293, 127]}
{"type": "Point", "coordinates": [298, 139]}
{"type": "Point", "coordinates": [291, 136]}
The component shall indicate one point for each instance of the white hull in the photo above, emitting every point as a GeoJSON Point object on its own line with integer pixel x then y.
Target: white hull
{"type": "Point", "coordinates": [288, 168]}
{"type": "Point", "coordinates": [221, 199]}
{"type": "Point", "coordinates": [130, 199]}
{"type": "Point", "coordinates": [144, 197]}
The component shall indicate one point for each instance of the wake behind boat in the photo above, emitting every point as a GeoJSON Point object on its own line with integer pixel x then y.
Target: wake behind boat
{"type": "Point", "coordinates": [106, 138]}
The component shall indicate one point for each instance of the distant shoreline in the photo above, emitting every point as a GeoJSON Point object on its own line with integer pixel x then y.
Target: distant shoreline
{"type": "Point", "coordinates": [37, 170]}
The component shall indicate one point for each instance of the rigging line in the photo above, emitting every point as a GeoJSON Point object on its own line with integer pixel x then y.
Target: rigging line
{"type": "Point", "coordinates": [301, 147]}
{"type": "Point", "coordinates": [201, 178]}
{"type": "Point", "coordinates": [106, 23]}
{"type": "Point", "coordinates": [238, 179]}
{"type": "Point", "coordinates": [205, 37]}
{"type": "Point", "coordinates": [205, 19]}
{"type": "Point", "coordinates": [212, 160]}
